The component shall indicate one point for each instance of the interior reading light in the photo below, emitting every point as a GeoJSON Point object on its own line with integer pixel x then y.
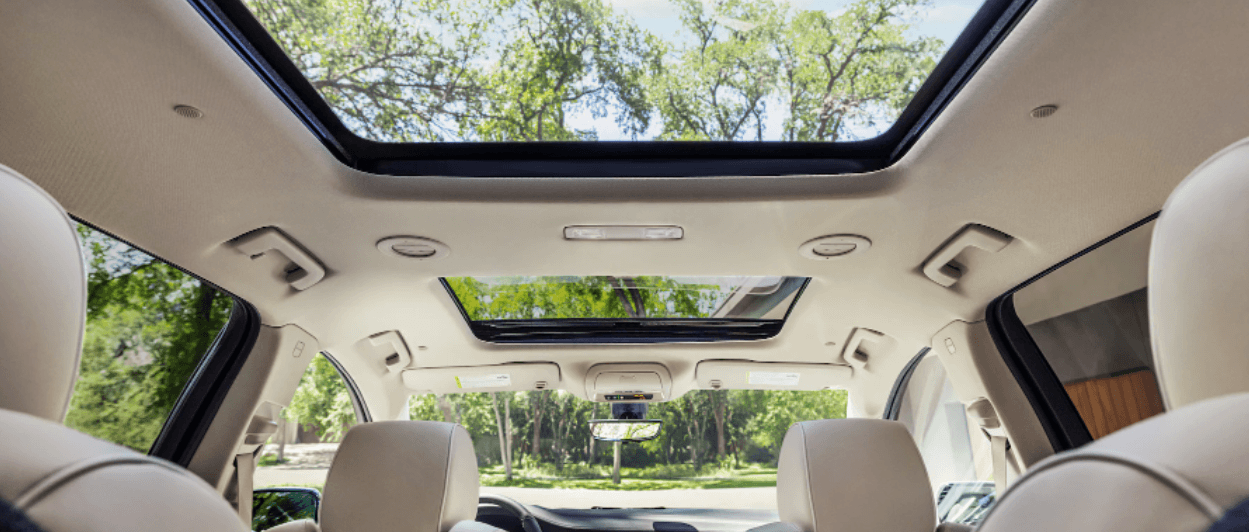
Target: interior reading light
{"type": "Point", "coordinates": [623, 232]}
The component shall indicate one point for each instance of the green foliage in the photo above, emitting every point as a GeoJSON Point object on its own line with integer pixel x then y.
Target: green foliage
{"type": "Point", "coordinates": [754, 424]}
{"type": "Point", "coordinates": [851, 70]}
{"type": "Point", "coordinates": [148, 324]}
{"type": "Point", "coordinates": [586, 297]}
{"type": "Point", "coordinates": [634, 479]}
{"type": "Point", "coordinates": [513, 70]}
{"type": "Point", "coordinates": [267, 460]}
{"type": "Point", "coordinates": [322, 401]}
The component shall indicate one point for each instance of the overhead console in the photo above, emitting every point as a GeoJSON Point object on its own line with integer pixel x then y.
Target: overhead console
{"type": "Point", "coordinates": [500, 378]}
{"type": "Point", "coordinates": [628, 383]}
{"type": "Point", "coordinates": [748, 375]}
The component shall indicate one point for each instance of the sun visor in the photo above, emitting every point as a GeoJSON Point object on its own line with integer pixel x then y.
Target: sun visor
{"type": "Point", "coordinates": [747, 375]}
{"type": "Point", "coordinates": [500, 378]}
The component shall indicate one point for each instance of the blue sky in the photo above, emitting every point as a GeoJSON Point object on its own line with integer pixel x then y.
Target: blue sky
{"type": "Point", "coordinates": [945, 19]}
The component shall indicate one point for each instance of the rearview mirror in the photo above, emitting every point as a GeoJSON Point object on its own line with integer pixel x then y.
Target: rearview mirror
{"type": "Point", "coordinates": [625, 430]}
{"type": "Point", "coordinates": [275, 506]}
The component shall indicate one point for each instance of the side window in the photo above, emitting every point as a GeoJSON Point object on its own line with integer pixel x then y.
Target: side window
{"type": "Point", "coordinates": [310, 430]}
{"type": "Point", "coordinates": [1090, 322]}
{"type": "Point", "coordinates": [955, 451]}
{"type": "Point", "coordinates": [148, 326]}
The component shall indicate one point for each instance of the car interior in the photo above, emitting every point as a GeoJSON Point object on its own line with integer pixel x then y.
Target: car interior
{"type": "Point", "coordinates": [1018, 277]}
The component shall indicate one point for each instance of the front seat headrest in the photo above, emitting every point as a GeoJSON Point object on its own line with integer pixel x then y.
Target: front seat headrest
{"type": "Point", "coordinates": [1199, 282]}
{"type": "Point", "coordinates": [852, 475]}
{"type": "Point", "coordinates": [43, 292]}
{"type": "Point", "coordinates": [392, 476]}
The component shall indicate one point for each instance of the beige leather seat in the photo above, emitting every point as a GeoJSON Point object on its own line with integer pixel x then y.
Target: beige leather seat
{"type": "Point", "coordinates": [853, 475]}
{"type": "Point", "coordinates": [401, 476]}
{"type": "Point", "coordinates": [1183, 470]}
{"type": "Point", "coordinates": [62, 480]}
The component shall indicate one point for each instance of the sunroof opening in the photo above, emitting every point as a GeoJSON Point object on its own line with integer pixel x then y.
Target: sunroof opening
{"type": "Point", "coordinates": [615, 70]}
{"type": "Point", "coordinates": [634, 309]}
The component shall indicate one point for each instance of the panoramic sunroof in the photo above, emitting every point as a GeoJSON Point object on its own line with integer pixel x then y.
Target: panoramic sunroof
{"type": "Point", "coordinates": [601, 309]}
{"type": "Point", "coordinates": [603, 88]}
{"type": "Point", "coordinates": [615, 70]}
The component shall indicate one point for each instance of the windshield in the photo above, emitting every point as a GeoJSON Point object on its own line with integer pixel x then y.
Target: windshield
{"type": "Point", "coordinates": [715, 448]}
{"type": "Point", "coordinates": [634, 70]}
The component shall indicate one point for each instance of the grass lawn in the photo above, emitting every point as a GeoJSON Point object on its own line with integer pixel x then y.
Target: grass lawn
{"type": "Point", "coordinates": [633, 480]}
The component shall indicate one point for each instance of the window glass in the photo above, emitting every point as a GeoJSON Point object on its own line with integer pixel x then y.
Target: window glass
{"type": "Point", "coordinates": [716, 449]}
{"type": "Point", "coordinates": [648, 297]}
{"type": "Point", "coordinates": [955, 451]}
{"type": "Point", "coordinates": [605, 309]}
{"type": "Point", "coordinates": [587, 70]}
{"type": "Point", "coordinates": [1090, 320]}
{"type": "Point", "coordinates": [310, 430]}
{"type": "Point", "coordinates": [148, 326]}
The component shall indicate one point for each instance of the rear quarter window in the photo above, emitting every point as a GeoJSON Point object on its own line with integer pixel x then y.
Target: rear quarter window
{"type": "Point", "coordinates": [148, 326]}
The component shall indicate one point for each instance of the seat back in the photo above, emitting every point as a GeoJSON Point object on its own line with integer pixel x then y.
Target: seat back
{"type": "Point", "coordinates": [401, 476]}
{"type": "Point", "coordinates": [53, 477]}
{"type": "Point", "coordinates": [853, 475]}
{"type": "Point", "coordinates": [1187, 469]}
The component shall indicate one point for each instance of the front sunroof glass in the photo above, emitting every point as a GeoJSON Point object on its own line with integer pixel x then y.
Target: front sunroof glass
{"type": "Point", "coordinates": [624, 70]}
{"type": "Point", "coordinates": [639, 297]}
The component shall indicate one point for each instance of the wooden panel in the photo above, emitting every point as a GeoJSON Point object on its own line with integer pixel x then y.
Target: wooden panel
{"type": "Point", "coordinates": [1108, 404]}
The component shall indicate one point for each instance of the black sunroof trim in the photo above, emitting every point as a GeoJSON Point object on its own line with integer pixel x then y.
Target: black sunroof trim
{"type": "Point", "coordinates": [622, 330]}
{"type": "Point", "coordinates": [248, 37]}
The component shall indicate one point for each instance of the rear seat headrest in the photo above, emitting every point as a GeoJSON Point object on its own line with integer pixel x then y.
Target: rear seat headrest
{"type": "Point", "coordinates": [853, 474]}
{"type": "Point", "coordinates": [43, 293]}
{"type": "Point", "coordinates": [1199, 282]}
{"type": "Point", "coordinates": [393, 476]}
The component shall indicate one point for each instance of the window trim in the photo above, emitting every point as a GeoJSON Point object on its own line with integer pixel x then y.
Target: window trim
{"type": "Point", "coordinates": [1045, 393]}
{"type": "Point", "coordinates": [251, 41]}
{"type": "Point", "coordinates": [353, 391]}
{"type": "Point", "coordinates": [201, 398]}
{"type": "Point", "coordinates": [893, 406]}
{"type": "Point", "coordinates": [205, 392]}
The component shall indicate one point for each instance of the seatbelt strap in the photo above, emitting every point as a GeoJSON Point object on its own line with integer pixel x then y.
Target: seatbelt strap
{"type": "Point", "coordinates": [245, 467]}
{"type": "Point", "coordinates": [999, 464]}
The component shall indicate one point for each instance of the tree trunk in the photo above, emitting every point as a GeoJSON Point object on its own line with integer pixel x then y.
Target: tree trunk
{"type": "Point", "coordinates": [502, 424]}
{"type": "Point", "coordinates": [448, 410]}
{"type": "Point", "coordinates": [615, 463]}
{"type": "Point", "coordinates": [282, 422]}
{"type": "Point", "coordinates": [557, 447]}
{"type": "Point", "coordinates": [593, 415]}
{"type": "Point", "coordinates": [695, 433]}
{"type": "Point", "coordinates": [536, 452]}
{"type": "Point", "coordinates": [507, 427]}
{"type": "Point", "coordinates": [719, 416]}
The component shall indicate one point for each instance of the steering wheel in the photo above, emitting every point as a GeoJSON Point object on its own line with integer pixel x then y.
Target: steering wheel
{"type": "Point", "coordinates": [527, 520]}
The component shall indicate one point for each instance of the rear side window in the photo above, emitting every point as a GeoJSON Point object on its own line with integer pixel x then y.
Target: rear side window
{"type": "Point", "coordinates": [956, 452]}
{"type": "Point", "coordinates": [148, 326]}
{"type": "Point", "coordinates": [1089, 321]}
{"type": "Point", "coordinates": [309, 432]}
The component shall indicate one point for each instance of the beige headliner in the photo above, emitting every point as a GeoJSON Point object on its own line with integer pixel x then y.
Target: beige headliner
{"type": "Point", "coordinates": [1146, 91]}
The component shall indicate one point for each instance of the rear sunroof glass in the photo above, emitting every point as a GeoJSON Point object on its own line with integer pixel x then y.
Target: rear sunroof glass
{"type": "Point", "coordinates": [626, 70]}
{"type": "Point", "coordinates": [645, 308]}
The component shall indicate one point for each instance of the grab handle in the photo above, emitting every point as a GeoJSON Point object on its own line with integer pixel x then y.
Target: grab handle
{"type": "Point", "coordinates": [942, 269]}
{"type": "Point", "coordinates": [306, 272]}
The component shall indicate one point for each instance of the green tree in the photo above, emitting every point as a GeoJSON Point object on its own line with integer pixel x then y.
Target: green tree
{"type": "Point", "coordinates": [774, 411]}
{"type": "Point", "coordinates": [148, 325]}
{"type": "Point", "coordinates": [396, 70]}
{"type": "Point", "coordinates": [717, 84]}
{"type": "Point", "coordinates": [853, 70]}
{"type": "Point", "coordinates": [322, 401]}
{"type": "Point", "coordinates": [566, 54]}
{"type": "Point", "coordinates": [591, 296]}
